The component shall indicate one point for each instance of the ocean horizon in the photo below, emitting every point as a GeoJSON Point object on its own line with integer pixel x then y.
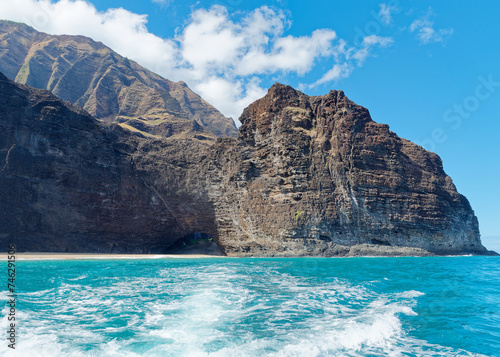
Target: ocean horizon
{"type": "Point", "coordinates": [429, 306]}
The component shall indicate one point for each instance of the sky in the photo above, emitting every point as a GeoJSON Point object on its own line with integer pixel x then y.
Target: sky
{"type": "Point", "coordinates": [427, 68]}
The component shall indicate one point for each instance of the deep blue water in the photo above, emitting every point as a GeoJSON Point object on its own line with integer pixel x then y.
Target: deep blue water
{"type": "Point", "coordinates": [444, 306]}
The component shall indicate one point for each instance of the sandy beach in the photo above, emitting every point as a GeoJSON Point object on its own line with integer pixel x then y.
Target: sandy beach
{"type": "Point", "coordinates": [86, 256]}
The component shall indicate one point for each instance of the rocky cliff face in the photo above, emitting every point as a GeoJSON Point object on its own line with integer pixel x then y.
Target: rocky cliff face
{"type": "Point", "coordinates": [315, 175]}
{"type": "Point", "coordinates": [306, 176]}
{"type": "Point", "coordinates": [108, 86]}
{"type": "Point", "coordinates": [68, 183]}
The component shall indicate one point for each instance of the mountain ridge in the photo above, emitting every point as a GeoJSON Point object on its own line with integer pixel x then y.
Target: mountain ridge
{"type": "Point", "coordinates": [110, 87]}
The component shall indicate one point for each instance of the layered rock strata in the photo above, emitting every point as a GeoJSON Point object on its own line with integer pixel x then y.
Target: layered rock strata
{"type": "Point", "coordinates": [316, 175]}
{"type": "Point", "coordinates": [307, 176]}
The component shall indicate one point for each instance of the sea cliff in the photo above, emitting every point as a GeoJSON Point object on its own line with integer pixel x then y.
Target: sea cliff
{"type": "Point", "coordinates": [307, 176]}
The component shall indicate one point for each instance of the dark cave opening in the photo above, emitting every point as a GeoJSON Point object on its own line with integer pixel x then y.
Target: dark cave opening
{"type": "Point", "coordinates": [196, 243]}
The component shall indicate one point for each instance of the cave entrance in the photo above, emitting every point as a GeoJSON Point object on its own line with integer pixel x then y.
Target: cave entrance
{"type": "Point", "coordinates": [196, 243]}
{"type": "Point", "coordinates": [194, 239]}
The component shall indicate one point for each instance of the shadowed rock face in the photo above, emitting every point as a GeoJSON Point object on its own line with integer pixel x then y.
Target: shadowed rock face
{"type": "Point", "coordinates": [306, 176]}
{"type": "Point", "coordinates": [108, 86]}
{"type": "Point", "coordinates": [67, 183]}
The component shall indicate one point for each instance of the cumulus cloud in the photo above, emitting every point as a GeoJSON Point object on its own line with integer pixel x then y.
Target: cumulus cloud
{"type": "Point", "coordinates": [221, 59]}
{"type": "Point", "coordinates": [122, 30]}
{"type": "Point", "coordinates": [424, 29]}
{"type": "Point", "coordinates": [296, 54]}
{"type": "Point", "coordinates": [212, 42]}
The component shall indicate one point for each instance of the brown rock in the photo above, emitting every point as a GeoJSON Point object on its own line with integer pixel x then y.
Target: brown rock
{"type": "Point", "coordinates": [67, 183]}
{"type": "Point", "coordinates": [307, 176]}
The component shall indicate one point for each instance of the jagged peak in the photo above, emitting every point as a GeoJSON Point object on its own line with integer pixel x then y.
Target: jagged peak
{"type": "Point", "coordinates": [280, 86]}
{"type": "Point", "coordinates": [284, 107]}
{"type": "Point", "coordinates": [287, 92]}
{"type": "Point", "coordinates": [281, 95]}
{"type": "Point", "coordinates": [278, 90]}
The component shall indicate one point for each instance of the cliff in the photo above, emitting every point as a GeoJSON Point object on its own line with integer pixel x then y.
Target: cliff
{"type": "Point", "coordinates": [316, 175]}
{"type": "Point", "coordinates": [306, 176]}
{"type": "Point", "coordinates": [67, 184]}
{"type": "Point", "coordinates": [108, 86]}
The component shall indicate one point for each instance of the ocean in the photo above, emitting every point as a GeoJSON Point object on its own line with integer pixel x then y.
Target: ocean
{"type": "Point", "coordinates": [435, 306]}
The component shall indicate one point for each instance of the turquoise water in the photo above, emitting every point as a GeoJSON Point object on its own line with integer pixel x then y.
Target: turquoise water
{"type": "Point", "coordinates": [447, 306]}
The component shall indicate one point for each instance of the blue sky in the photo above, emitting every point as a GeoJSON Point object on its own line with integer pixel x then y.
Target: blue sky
{"type": "Point", "coordinates": [429, 69]}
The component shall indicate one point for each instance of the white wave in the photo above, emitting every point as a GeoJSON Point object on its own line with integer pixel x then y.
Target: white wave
{"type": "Point", "coordinates": [78, 278]}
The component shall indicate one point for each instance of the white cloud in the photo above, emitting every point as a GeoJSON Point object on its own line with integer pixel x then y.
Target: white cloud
{"type": "Point", "coordinates": [348, 58]}
{"type": "Point", "coordinates": [424, 29]}
{"type": "Point", "coordinates": [213, 42]}
{"type": "Point", "coordinates": [162, 2]}
{"type": "Point", "coordinates": [337, 72]}
{"type": "Point", "coordinates": [385, 13]}
{"type": "Point", "coordinates": [373, 40]}
{"type": "Point", "coordinates": [210, 40]}
{"type": "Point", "coordinates": [219, 58]}
{"type": "Point", "coordinates": [289, 53]}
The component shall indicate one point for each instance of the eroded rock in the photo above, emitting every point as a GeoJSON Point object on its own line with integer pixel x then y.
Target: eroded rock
{"type": "Point", "coordinates": [307, 176]}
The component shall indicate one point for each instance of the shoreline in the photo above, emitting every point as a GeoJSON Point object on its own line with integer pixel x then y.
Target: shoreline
{"type": "Point", "coordinates": [103, 256]}
{"type": "Point", "coordinates": [108, 256]}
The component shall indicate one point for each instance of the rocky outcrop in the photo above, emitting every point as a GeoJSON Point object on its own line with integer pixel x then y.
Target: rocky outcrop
{"type": "Point", "coordinates": [306, 176]}
{"type": "Point", "coordinates": [108, 86]}
{"type": "Point", "coordinates": [318, 175]}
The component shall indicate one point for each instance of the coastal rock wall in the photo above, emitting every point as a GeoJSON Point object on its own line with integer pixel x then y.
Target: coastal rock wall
{"type": "Point", "coordinates": [306, 176]}
{"type": "Point", "coordinates": [315, 175]}
{"type": "Point", "coordinates": [68, 184]}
